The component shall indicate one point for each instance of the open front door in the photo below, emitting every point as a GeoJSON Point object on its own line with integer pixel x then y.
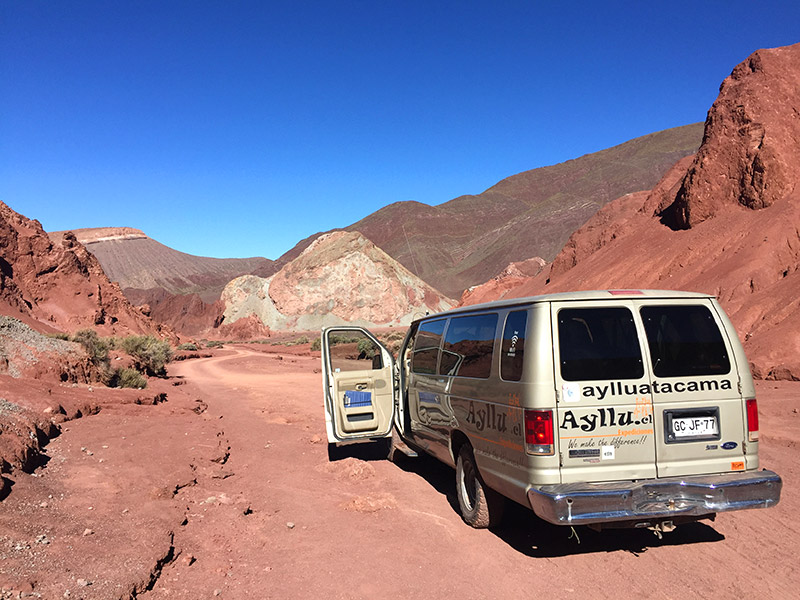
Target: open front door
{"type": "Point", "coordinates": [359, 383]}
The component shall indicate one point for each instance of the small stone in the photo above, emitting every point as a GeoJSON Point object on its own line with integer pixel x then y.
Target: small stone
{"type": "Point", "coordinates": [42, 504]}
{"type": "Point", "coordinates": [188, 560]}
{"type": "Point", "coordinates": [290, 525]}
{"type": "Point", "coordinates": [48, 410]}
{"type": "Point", "coordinates": [88, 531]}
{"type": "Point", "coordinates": [84, 582]}
{"type": "Point", "coordinates": [91, 389]}
{"type": "Point", "coordinates": [124, 510]}
{"type": "Point", "coordinates": [217, 592]}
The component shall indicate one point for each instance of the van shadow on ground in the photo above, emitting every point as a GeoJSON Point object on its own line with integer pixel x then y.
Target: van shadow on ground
{"type": "Point", "coordinates": [531, 536]}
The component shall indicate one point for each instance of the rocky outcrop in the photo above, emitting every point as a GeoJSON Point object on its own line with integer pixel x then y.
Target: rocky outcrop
{"type": "Point", "coordinates": [340, 278]}
{"type": "Point", "coordinates": [751, 147]}
{"type": "Point", "coordinates": [507, 280]}
{"type": "Point", "coordinates": [27, 353]}
{"type": "Point", "coordinates": [59, 287]}
{"type": "Point", "coordinates": [727, 225]}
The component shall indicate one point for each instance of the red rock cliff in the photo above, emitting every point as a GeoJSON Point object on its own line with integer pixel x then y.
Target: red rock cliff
{"type": "Point", "coordinates": [60, 286]}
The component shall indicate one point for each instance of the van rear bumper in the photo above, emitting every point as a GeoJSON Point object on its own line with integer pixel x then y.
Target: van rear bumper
{"type": "Point", "coordinates": [654, 499]}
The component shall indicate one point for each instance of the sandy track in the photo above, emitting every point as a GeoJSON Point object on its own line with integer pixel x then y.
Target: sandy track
{"type": "Point", "coordinates": [363, 528]}
{"type": "Point", "coordinates": [226, 491]}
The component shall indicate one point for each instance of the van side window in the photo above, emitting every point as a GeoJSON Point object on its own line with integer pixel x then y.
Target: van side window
{"type": "Point", "coordinates": [598, 343]}
{"type": "Point", "coordinates": [684, 340]}
{"type": "Point", "coordinates": [426, 347]}
{"type": "Point", "coordinates": [513, 349]}
{"type": "Point", "coordinates": [468, 346]}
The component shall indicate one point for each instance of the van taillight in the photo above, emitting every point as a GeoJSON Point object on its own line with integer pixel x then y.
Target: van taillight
{"type": "Point", "coordinates": [539, 432]}
{"type": "Point", "coordinates": [752, 420]}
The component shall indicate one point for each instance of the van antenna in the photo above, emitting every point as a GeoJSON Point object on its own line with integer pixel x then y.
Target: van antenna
{"type": "Point", "coordinates": [410, 251]}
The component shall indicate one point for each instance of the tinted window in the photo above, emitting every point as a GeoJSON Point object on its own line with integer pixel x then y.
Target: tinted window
{"type": "Point", "coordinates": [513, 348]}
{"type": "Point", "coordinates": [598, 343]}
{"type": "Point", "coordinates": [684, 340]}
{"type": "Point", "coordinates": [426, 347]}
{"type": "Point", "coordinates": [468, 346]}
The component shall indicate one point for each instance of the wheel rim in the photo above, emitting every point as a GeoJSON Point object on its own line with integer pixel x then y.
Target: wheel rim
{"type": "Point", "coordinates": [468, 484]}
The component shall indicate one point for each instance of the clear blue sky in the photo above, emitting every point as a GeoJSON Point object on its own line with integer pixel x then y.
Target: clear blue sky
{"type": "Point", "coordinates": [236, 128]}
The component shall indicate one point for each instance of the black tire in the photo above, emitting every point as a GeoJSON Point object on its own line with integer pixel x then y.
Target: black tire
{"type": "Point", "coordinates": [392, 452]}
{"type": "Point", "coordinates": [481, 506]}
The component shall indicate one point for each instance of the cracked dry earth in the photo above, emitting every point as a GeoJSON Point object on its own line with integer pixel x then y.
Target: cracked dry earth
{"type": "Point", "coordinates": [226, 491]}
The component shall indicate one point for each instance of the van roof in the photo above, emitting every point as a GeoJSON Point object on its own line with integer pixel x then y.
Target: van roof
{"type": "Point", "coordinates": [589, 295]}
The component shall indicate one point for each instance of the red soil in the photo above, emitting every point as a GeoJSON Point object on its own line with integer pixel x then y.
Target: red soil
{"type": "Point", "coordinates": [226, 490]}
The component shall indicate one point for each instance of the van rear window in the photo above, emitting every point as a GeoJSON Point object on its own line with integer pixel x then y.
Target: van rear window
{"type": "Point", "coordinates": [468, 346]}
{"type": "Point", "coordinates": [684, 340]}
{"type": "Point", "coordinates": [426, 347]}
{"type": "Point", "coordinates": [598, 344]}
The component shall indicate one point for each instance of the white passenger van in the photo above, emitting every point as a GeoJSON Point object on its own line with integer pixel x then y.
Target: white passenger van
{"type": "Point", "coordinates": [608, 408]}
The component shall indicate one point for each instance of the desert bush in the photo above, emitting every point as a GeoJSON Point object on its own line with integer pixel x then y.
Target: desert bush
{"type": "Point", "coordinates": [149, 353]}
{"type": "Point", "coordinates": [188, 346]}
{"type": "Point", "coordinates": [214, 344]}
{"type": "Point", "coordinates": [58, 336]}
{"type": "Point", "coordinates": [395, 336]}
{"type": "Point", "coordinates": [316, 344]}
{"type": "Point", "coordinates": [366, 347]}
{"type": "Point", "coordinates": [95, 346]}
{"type": "Point", "coordinates": [335, 340]}
{"type": "Point", "coordinates": [127, 378]}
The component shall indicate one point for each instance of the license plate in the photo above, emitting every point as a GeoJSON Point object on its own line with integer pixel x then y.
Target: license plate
{"type": "Point", "coordinates": [688, 427]}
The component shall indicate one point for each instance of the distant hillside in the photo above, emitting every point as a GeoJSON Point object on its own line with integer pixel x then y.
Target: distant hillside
{"type": "Point", "coordinates": [138, 262]}
{"type": "Point", "coordinates": [726, 222]}
{"type": "Point", "coordinates": [467, 240]}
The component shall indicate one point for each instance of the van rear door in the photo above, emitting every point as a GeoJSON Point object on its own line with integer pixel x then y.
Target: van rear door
{"type": "Point", "coordinates": [604, 413]}
{"type": "Point", "coordinates": [698, 408]}
{"type": "Point", "coordinates": [358, 375]}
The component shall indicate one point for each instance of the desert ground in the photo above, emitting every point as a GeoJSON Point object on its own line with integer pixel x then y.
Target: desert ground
{"type": "Point", "coordinates": [225, 490]}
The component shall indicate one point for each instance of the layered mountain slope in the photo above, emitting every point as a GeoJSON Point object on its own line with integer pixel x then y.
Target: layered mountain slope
{"type": "Point", "coordinates": [340, 278]}
{"type": "Point", "coordinates": [726, 222]}
{"type": "Point", "coordinates": [59, 286]}
{"type": "Point", "coordinates": [136, 261]}
{"type": "Point", "coordinates": [471, 238]}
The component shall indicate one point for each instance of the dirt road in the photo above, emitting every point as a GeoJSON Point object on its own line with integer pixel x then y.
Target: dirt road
{"type": "Point", "coordinates": [264, 514]}
{"type": "Point", "coordinates": [358, 529]}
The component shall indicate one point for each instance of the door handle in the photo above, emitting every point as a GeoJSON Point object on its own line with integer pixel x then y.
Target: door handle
{"type": "Point", "coordinates": [361, 387]}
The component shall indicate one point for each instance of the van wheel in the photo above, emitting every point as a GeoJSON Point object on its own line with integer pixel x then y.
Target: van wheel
{"type": "Point", "coordinates": [392, 451]}
{"type": "Point", "coordinates": [481, 506]}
